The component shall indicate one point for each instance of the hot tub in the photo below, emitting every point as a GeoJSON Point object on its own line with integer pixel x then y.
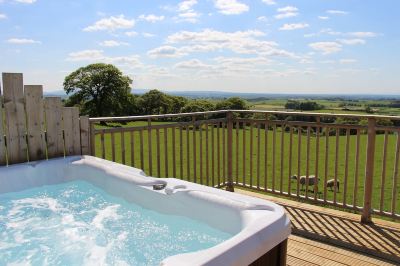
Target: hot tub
{"type": "Point", "coordinates": [245, 230]}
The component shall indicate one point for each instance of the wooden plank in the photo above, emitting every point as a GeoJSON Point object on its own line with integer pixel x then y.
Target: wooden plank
{"type": "Point", "coordinates": [357, 160]}
{"type": "Point", "coordinates": [85, 134]}
{"type": "Point", "coordinates": [282, 157]}
{"type": "Point", "coordinates": [258, 155]}
{"type": "Point", "coordinates": [53, 114]}
{"type": "Point", "coordinates": [15, 117]}
{"type": "Point", "coordinates": [396, 175]}
{"type": "Point", "coordinates": [71, 130]}
{"type": "Point", "coordinates": [123, 149]}
{"type": "Point", "coordinates": [132, 144]}
{"type": "Point", "coordinates": [35, 122]}
{"type": "Point", "coordinates": [166, 151]}
{"type": "Point", "coordinates": [3, 158]}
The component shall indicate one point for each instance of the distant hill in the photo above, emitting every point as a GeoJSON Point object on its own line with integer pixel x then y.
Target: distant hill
{"type": "Point", "coordinates": [253, 96]}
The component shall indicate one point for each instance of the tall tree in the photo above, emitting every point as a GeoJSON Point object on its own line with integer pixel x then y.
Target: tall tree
{"type": "Point", "coordinates": [100, 89]}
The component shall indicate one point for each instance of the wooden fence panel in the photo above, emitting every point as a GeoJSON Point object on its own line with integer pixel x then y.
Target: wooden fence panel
{"type": "Point", "coordinates": [35, 122]}
{"type": "Point", "coordinates": [71, 131]}
{"type": "Point", "coordinates": [15, 117]}
{"type": "Point", "coordinates": [53, 113]}
{"type": "Point", "coordinates": [85, 128]}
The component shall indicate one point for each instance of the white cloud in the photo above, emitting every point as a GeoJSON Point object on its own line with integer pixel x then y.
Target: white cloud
{"type": "Point", "coordinates": [326, 47]}
{"type": "Point", "coordinates": [193, 64]}
{"type": "Point", "coordinates": [132, 61]}
{"type": "Point", "coordinates": [352, 41]}
{"type": "Point", "coordinates": [3, 16]}
{"type": "Point", "coordinates": [131, 33]}
{"type": "Point", "coordinates": [22, 41]}
{"type": "Point", "coordinates": [337, 12]}
{"type": "Point", "coordinates": [25, 1]}
{"type": "Point", "coordinates": [269, 2]}
{"type": "Point", "coordinates": [151, 18]}
{"type": "Point", "coordinates": [347, 61]}
{"type": "Point", "coordinates": [287, 12]}
{"type": "Point", "coordinates": [231, 7]}
{"type": "Point", "coordinates": [190, 16]}
{"type": "Point", "coordinates": [165, 51]}
{"type": "Point", "coordinates": [262, 18]}
{"type": "Point", "coordinates": [294, 26]}
{"type": "Point", "coordinates": [323, 17]}
{"type": "Point", "coordinates": [363, 34]}
{"type": "Point", "coordinates": [148, 35]}
{"type": "Point", "coordinates": [186, 5]}
{"type": "Point", "coordinates": [112, 23]}
{"type": "Point", "coordinates": [112, 43]}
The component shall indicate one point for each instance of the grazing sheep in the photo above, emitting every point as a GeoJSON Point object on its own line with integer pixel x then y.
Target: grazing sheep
{"type": "Point", "coordinates": [331, 184]}
{"type": "Point", "coordinates": [312, 180]}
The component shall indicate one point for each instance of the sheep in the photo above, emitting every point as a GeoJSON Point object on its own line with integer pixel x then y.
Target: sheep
{"type": "Point", "coordinates": [312, 180]}
{"type": "Point", "coordinates": [331, 184]}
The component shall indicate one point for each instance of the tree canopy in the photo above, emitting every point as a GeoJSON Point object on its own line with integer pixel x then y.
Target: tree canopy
{"type": "Point", "coordinates": [99, 89]}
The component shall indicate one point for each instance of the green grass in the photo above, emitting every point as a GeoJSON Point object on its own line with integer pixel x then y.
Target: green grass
{"type": "Point", "coordinates": [271, 173]}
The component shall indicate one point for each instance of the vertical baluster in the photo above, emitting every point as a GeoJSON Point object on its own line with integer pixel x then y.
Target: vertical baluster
{"type": "Point", "coordinates": [194, 150]}
{"type": "Point", "coordinates": [132, 141]}
{"type": "Point", "coordinates": [180, 152]}
{"type": "Point", "coordinates": [150, 146]}
{"type": "Point", "coordinates": [244, 153]}
{"type": "Point", "coordinates": [251, 154]}
{"type": "Point", "coordinates": [166, 151]}
{"type": "Point", "coordinates": [258, 154]}
{"type": "Point", "coordinates": [346, 167]}
{"type": "Point", "coordinates": [298, 160]}
{"type": "Point", "coordinates": [357, 163]}
{"type": "Point", "coordinates": [201, 152]}
{"type": "Point", "coordinates": [237, 153]}
{"type": "Point", "coordinates": [122, 134]}
{"type": "Point", "coordinates": [336, 165]}
{"type": "Point", "coordinates": [308, 160]}
{"type": "Point", "coordinates": [141, 149]}
{"type": "Point", "coordinates": [213, 154]}
{"type": "Point", "coordinates": [103, 148]}
{"type": "Point", "coordinates": [219, 154]}
{"type": "Point", "coordinates": [223, 153]}
{"type": "Point", "coordinates": [396, 174]}
{"type": "Point", "coordinates": [207, 156]}
{"type": "Point", "coordinates": [290, 160]}
{"type": "Point", "coordinates": [266, 154]}
{"type": "Point", "coordinates": [158, 153]}
{"type": "Point", "coordinates": [383, 176]}
{"type": "Point", "coordinates": [316, 190]}
{"type": "Point", "coordinates": [326, 160]}
{"type": "Point", "coordinates": [273, 157]}
{"type": "Point", "coordinates": [187, 153]}
{"type": "Point", "coordinates": [173, 152]}
{"type": "Point", "coordinates": [113, 146]}
{"type": "Point", "coordinates": [282, 156]}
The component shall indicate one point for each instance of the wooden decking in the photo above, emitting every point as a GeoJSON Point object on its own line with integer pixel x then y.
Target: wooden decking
{"type": "Point", "coordinates": [322, 236]}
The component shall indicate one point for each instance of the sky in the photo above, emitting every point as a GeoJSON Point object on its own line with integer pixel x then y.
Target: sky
{"type": "Point", "coordinates": [267, 46]}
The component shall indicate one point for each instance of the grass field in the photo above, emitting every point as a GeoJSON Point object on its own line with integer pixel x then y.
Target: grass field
{"type": "Point", "coordinates": [273, 170]}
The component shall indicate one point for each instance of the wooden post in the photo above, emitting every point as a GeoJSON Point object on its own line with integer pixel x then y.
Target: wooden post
{"type": "Point", "coordinates": [92, 139]}
{"type": "Point", "coordinates": [229, 184]}
{"type": "Point", "coordinates": [3, 160]}
{"type": "Point", "coordinates": [369, 172]}
{"type": "Point", "coordinates": [84, 131]}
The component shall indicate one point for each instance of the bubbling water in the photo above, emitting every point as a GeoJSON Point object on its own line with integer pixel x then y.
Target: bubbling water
{"type": "Point", "coordinates": [76, 223]}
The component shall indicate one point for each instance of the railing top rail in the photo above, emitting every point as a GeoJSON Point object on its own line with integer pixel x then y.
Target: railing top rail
{"type": "Point", "coordinates": [289, 113]}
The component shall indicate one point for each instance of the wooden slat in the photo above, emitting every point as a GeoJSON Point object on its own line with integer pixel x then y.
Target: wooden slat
{"type": "Point", "coordinates": [316, 170]}
{"type": "Point", "coordinates": [326, 161]}
{"type": "Point", "coordinates": [298, 160]}
{"type": "Point", "coordinates": [201, 153]}
{"type": "Point", "coordinates": [258, 155]}
{"type": "Point", "coordinates": [383, 175]}
{"type": "Point", "coordinates": [237, 152]}
{"type": "Point", "coordinates": [396, 175]}
{"type": "Point", "coordinates": [251, 153]}
{"type": "Point", "coordinates": [244, 153]}
{"type": "Point", "coordinates": [141, 149]}
{"type": "Point", "coordinates": [194, 151]}
{"type": "Point", "coordinates": [35, 122]}
{"type": "Point", "coordinates": [3, 158]}
{"type": "Point", "coordinates": [15, 117]}
{"type": "Point", "coordinates": [308, 160]}
{"type": "Point", "coordinates": [85, 135]}
{"type": "Point", "coordinates": [123, 149]}
{"type": "Point", "coordinates": [223, 153]}
{"type": "Point", "coordinates": [207, 156]}
{"type": "Point", "coordinates": [336, 165]}
{"type": "Point", "coordinates": [219, 155]}
{"type": "Point", "coordinates": [266, 154]}
{"type": "Point", "coordinates": [173, 152]}
{"type": "Point", "coordinates": [158, 155]}
{"type": "Point", "coordinates": [213, 155]}
{"type": "Point", "coordinates": [346, 167]}
{"type": "Point", "coordinates": [53, 114]}
{"type": "Point", "coordinates": [357, 163]}
{"type": "Point", "coordinates": [290, 160]}
{"type": "Point", "coordinates": [132, 142]}
{"type": "Point", "coordinates": [103, 146]}
{"type": "Point", "coordinates": [71, 130]}
{"type": "Point", "coordinates": [282, 157]}
{"type": "Point", "coordinates": [166, 151]}
{"type": "Point", "coordinates": [150, 146]}
{"type": "Point", "coordinates": [273, 157]}
{"type": "Point", "coordinates": [187, 154]}
{"type": "Point", "coordinates": [113, 146]}
{"type": "Point", "coordinates": [180, 153]}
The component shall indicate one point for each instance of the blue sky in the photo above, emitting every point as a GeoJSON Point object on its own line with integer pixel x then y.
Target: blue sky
{"type": "Point", "coordinates": [271, 46]}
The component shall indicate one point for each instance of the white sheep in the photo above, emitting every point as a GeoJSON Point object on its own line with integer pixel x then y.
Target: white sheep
{"type": "Point", "coordinates": [312, 180]}
{"type": "Point", "coordinates": [331, 184]}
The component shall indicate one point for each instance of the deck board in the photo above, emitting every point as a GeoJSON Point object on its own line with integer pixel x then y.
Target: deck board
{"type": "Point", "coordinates": [322, 236]}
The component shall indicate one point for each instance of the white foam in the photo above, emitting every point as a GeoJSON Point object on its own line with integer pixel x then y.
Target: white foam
{"type": "Point", "coordinates": [110, 212]}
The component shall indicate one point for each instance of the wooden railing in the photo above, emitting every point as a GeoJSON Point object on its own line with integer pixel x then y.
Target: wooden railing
{"type": "Point", "coordinates": [263, 150]}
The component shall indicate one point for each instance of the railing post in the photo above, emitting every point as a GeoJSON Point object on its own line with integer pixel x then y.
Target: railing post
{"type": "Point", "coordinates": [369, 172]}
{"type": "Point", "coordinates": [229, 118]}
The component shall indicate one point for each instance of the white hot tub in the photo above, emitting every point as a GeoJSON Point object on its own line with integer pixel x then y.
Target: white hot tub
{"type": "Point", "coordinates": [257, 226]}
